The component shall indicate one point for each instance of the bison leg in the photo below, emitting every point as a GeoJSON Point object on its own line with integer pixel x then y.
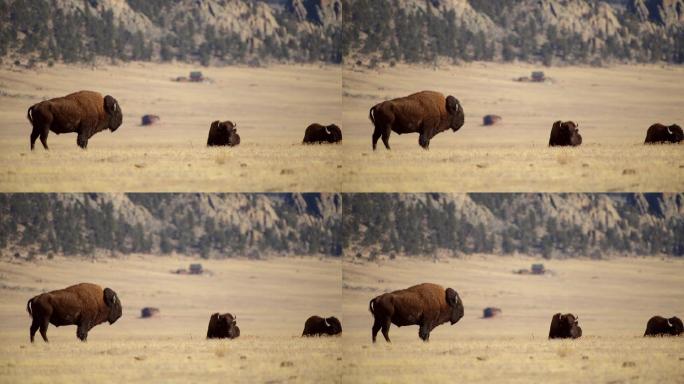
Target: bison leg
{"type": "Point", "coordinates": [376, 328]}
{"type": "Point", "coordinates": [385, 330]}
{"type": "Point", "coordinates": [385, 137]}
{"type": "Point", "coordinates": [82, 140]}
{"type": "Point", "coordinates": [34, 328]}
{"type": "Point", "coordinates": [424, 332]}
{"type": "Point", "coordinates": [424, 141]}
{"type": "Point", "coordinates": [43, 137]}
{"type": "Point", "coordinates": [376, 137]}
{"type": "Point", "coordinates": [43, 329]}
{"type": "Point", "coordinates": [34, 136]}
{"type": "Point", "coordinates": [82, 331]}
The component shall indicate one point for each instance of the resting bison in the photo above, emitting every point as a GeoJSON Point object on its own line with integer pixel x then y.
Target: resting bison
{"type": "Point", "coordinates": [660, 326]}
{"type": "Point", "coordinates": [316, 133]}
{"type": "Point", "coordinates": [223, 327]}
{"type": "Point", "coordinates": [84, 112]}
{"type": "Point", "coordinates": [427, 113]}
{"type": "Point", "coordinates": [223, 134]}
{"type": "Point", "coordinates": [564, 134]}
{"type": "Point", "coordinates": [564, 327]}
{"type": "Point", "coordinates": [318, 326]}
{"type": "Point", "coordinates": [658, 134]}
{"type": "Point", "coordinates": [426, 305]}
{"type": "Point", "coordinates": [84, 305]}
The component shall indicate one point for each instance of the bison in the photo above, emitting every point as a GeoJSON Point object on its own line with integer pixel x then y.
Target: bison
{"type": "Point", "coordinates": [223, 134]}
{"type": "Point", "coordinates": [84, 305]}
{"type": "Point", "coordinates": [564, 134]}
{"type": "Point", "coordinates": [319, 134]}
{"type": "Point", "coordinates": [223, 326]}
{"type": "Point", "coordinates": [427, 113]}
{"type": "Point", "coordinates": [319, 326]}
{"type": "Point", "coordinates": [659, 134]}
{"type": "Point", "coordinates": [660, 326]}
{"type": "Point", "coordinates": [84, 112]}
{"type": "Point", "coordinates": [426, 305]}
{"type": "Point", "coordinates": [564, 327]}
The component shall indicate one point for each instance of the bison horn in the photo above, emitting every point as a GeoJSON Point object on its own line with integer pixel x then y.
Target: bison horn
{"type": "Point", "coordinates": [326, 322]}
{"type": "Point", "coordinates": [669, 130]}
{"type": "Point", "coordinates": [114, 107]}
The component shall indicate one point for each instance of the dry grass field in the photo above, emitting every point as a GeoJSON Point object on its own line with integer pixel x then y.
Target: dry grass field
{"type": "Point", "coordinates": [613, 299]}
{"type": "Point", "coordinates": [271, 299]}
{"type": "Point", "coordinates": [272, 106]}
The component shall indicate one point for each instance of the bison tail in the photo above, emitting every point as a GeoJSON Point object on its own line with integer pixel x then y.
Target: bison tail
{"type": "Point", "coordinates": [29, 113]}
{"type": "Point", "coordinates": [371, 112]}
{"type": "Point", "coordinates": [28, 307]}
{"type": "Point", "coordinates": [371, 304]}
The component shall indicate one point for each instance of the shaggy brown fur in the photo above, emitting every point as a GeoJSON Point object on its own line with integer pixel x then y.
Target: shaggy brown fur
{"type": "Point", "coordinates": [84, 305]}
{"type": "Point", "coordinates": [564, 134]}
{"type": "Point", "coordinates": [426, 113]}
{"type": "Point", "coordinates": [564, 327]}
{"type": "Point", "coordinates": [223, 134]}
{"type": "Point", "coordinates": [426, 305]}
{"type": "Point", "coordinates": [84, 112]}
{"type": "Point", "coordinates": [223, 326]}
{"type": "Point", "coordinates": [660, 326]}
{"type": "Point", "coordinates": [317, 133]}
{"type": "Point", "coordinates": [659, 134]}
{"type": "Point", "coordinates": [319, 326]}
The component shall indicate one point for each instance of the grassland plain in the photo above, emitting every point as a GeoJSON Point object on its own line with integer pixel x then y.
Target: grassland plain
{"type": "Point", "coordinates": [271, 298]}
{"type": "Point", "coordinates": [613, 299]}
{"type": "Point", "coordinates": [272, 106]}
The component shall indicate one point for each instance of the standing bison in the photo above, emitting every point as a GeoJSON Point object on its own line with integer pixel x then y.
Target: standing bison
{"type": "Point", "coordinates": [426, 305]}
{"type": "Point", "coordinates": [564, 327]}
{"type": "Point", "coordinates": [320, 134]}
{"type": "Point", "coordinates": [660, 326]}
{"type": "Point", "coordinates": [84, 112]}
{"type": "Point", "coordinates": [223, 134]}
{"type": "Point", "coordinates": [564, 134]}
{"type": "Point", "coordinates": [223, 326]}
{"type": "Point", "coordinates": [319, 326]}
{"type": "Point", "coordinates": [659, 134]}
{"type": "Point", "coordinates": [427, 113]}
{"type": "Point", "coordinates": [84, 305]}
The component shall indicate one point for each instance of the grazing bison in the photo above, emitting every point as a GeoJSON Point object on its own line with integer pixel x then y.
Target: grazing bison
{"type": "Point", "coordinates": [223, 134]}
{"type": "Point", "coordinates": [223, 326]}
{"type": "Point", "coordinates": [659, 134]}
{"type": "Point", "coordinates": [427, 113]}
{"type": "Point", "coordinates": [84, 112]}
{"type": "Point", "coordinates": [660, 326]}
{"type": "Point", "coordinates": [84, 305]}
{"type": "Point", "coordinates": [319, 326]}
{"type": "Point", "coordinates": [426, 305]}
{"type": "Point", "coordinates": [316, 133]}
{"type": "Point", "coordinates": [564, 327]}
{"type": "Point", "coordinates": [564, 134]}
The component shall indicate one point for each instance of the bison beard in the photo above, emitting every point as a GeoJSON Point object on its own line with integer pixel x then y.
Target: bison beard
{"type": "Point", "coordinates": [426, 305]}
{"type": "Point", "coordinates": [85, 305]}
{"type": "Point", "coordinates": [84, 112]}
{"type": "Point", "coordinates": [426, 113]}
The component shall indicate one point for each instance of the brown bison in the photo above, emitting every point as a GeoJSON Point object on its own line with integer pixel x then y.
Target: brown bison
{"type": "Point", "coordinates": [223, 134]}
{"type": "Point", "coordinates": [84, 112]}
{"type": "Point", "coordinates": [319, 326]}
{"type": "Point", "coordinates": [660, 326]}
{"type": "Point", "coordinates": [427, 113]}
{"type": "Point", "coordinates": [320, 134]}
{"type": "Point", "coordinates": [223, 326]}
{"type": "Point", "coordinates": [84, 305]}
{"type": "Point", "coordinates": [564, 327]}
{"type": "Point", "coordinates": [426, 305]}
{"type": "Point", "coordinates": [659, 134]}
{"type": "Point", "coordinates": [564, 134]}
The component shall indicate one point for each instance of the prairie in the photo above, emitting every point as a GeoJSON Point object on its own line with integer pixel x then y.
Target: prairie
{"type": "Point", "coordinates": [613, 299]}
{"type": "Point", "coordinates": [272, 106]}
{"type": "Point", "coordinates": [270, 298]}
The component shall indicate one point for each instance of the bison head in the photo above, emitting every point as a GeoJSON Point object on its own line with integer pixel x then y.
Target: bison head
{"type": "Point", "coordinates": [333, 326]}
{"type": "Point", "coordinates": [113, 110]}
{"type": "Point", "coordinates": [569, 325]}
{"type": "Point", "coordinates": [675, 133]}
{"type": "Point", "coordinates": [334, 133]}
{"type": "Point", "coordinates": [455, 304]}
{"type": "Point", "coordinates": [567, 133]}
{"type": "Point", "coordinates": [676, 326]}
{"type": "Point", "coordinates": [114, 304]}
{"type": "Point", "coordinates": [456, 114]}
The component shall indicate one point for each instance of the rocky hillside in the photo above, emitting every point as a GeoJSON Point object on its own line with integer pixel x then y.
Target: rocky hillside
{"type": "Point", "coordinates": [208, 225]}
{"type": "Point", "coordinates": [208, 31]}
{"type": "Point", "coordinates": [548, 31]}
{"type": "Point", "coordinates": [551, 225]}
